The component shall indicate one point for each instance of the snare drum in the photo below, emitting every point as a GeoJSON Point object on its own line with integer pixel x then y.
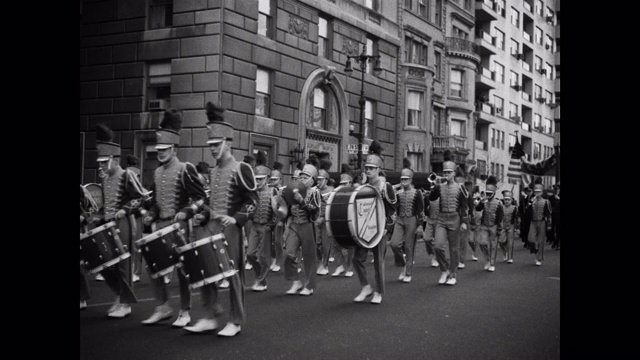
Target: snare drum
{"type": "Point", "coordinates": [101, 247]}
{"type": "Point", "coordinates": [206, 261]}
{"type": "Point", "coordinates": [159, 249]}
{"type": "Point", "coordinates": [355, 216]}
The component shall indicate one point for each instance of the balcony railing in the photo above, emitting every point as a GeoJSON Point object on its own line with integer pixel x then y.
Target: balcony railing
{"type": "Point", "coordinates": [526, 36]}
{"type": "Point", "coordinates": [450, 141]}
{"type": "Point", "coordinates": [485, 107]}
{"type": "Point", "coordinates": [481, 145]}
{"type": "Point", "coordinates": [525, 126]}
{"type": "Point", "coordinates": [526, 96]}
{"type": "Point", "coordinates": [526, 66]}
{"type": "Point", "coordinates": [488, 73]}
{"type": "Point", "coordinates": [462, 45]}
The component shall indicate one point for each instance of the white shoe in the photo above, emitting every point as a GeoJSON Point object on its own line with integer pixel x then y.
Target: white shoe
{"type": "Point", "coordinates": [403, 273]}
{"type": "Point", "coordinates": [538, 263]}
{"type": "Point", "coordinates": [443, 277]}
{"type": "Point", "coordinates": [167, 280]}
{"type": "Point", "coordinates": [407, 279]}
{"type": "Point", "coordinates": [224, 284]}
{"type": "Point", "coordinates": [229, 330]}
{"type": "Point", "coordinates": [434, 263]}
{"type": "Point", "coordinates": [510, 261]}
{"type": "Point", "coordinates": [83, 304]}
{"type": "Point", "coordinates": [248, 266]}
{"type": "Point", "coordinates": [203, 325]}
{"type": "Point", "coordinates": [275, 267]}
{"type": "Point", "coordinates": [460, 266]}
{"type": "Point", "coordinates": [348, 274]}
{"type": "Point", "coordinates": [161, 312]}
{"type": "Point", "coordinates": [259, 288]}
{"type": "Point", "coordinates": [504, 258]}
{"type": "Point", "coordinates": [486, 265]}
{"type": "Point", "coordinates": [115, 305]}
{"type": "Point", "coordinates": [492, 268]}
{"type": "Point", "coordinates": [377, 298]}
{"type": "Point", "coordinates": [332, 259]}
{"type": "Point", "coordinates": [452, 281]}
{"type": "Point", "coordinates": [322, 270]}
{"type": "Point", "coordinates": [306, 292]}
{"type": "Point", "coordinates": [474, 258]}
{"type": "Point", "coordinates": [135, 278]}
{"type": "Point", "coordinates": [99, 277]}
{"type": "Point", "coordinates": [122, 311]}
{"type": "Point", "coordinates": [338, 271]}
{"type": "Point", "coordinates": [183, 319]}
{"type": "Point", "coordinates": [364, 293]}
{"type": "Point", "coordinates": [295, 287]}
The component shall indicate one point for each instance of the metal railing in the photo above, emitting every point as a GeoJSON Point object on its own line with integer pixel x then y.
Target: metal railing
{"type": "Point", "coordinates": [449, 141]}
{"type": "Point", "coordinates": [457, 44]}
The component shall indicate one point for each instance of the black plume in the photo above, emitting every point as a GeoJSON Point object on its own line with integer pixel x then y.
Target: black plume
{"type": "Point", "coordinates": [132, 160]}
{"type": "Point", "coordinates": [277, 166]}
{"type": "Point", "coordinates": [491, 180]}
{"type": "Point", "coordinates": [214, 112]}
{"type": "Point", "coordinates": [261, 158]}
{"type": "Point", "coordinates": [313, 160]}
{"type": "Point", "coordinates": [538, 180]}
{"type": "Point", "coordinates": [103, 133]}
{"type": "Point", "coordinates": [249, 160]}
{"type": "Point", "coordinates": [299, 165]}
{"type": "Point", "coordinates": [172, 120]}
{"type": "Point", "coordinates": [448, 155]}
{"type": "Point", "coordinates": [202, 167]}
{"type": "Point", "coordinates": [375, 148]}
{"type": "Point", "coordinates": [345, 169]}
{"type": "Point", "coordinates": [406, 163]}
{"type": "Point", "coordinates": [325, 164]}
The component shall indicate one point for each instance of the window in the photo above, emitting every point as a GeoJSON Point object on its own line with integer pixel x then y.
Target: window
{"type": "Point", "coordinates": [493, 137]}
{"type": "Point", "coordinates": [537, 35]}
{"type": "Point", "coordinates": [416, 161]}
{"type": "Point", "coordinates": [437, 125]}
{"type": "Point", "coordinates": [550, 15]}
{"type": "Point", "coordinates": [502, 140]}
{"type": "Point", "coordinates": [455, 87]}
{"type": "Point", "coordinates": [369, 111]}
{"type": "Point", "coordinates": [319, 109]}
{"type": "Point", "coordinates": [498, 102]}
{"type": "Point", "coordinates": [515, 46]}
{"type": "Point", "coordinates": [501, 7]}
{"type": "Point", "coordinates": [548, 44]}
{"type": "Point", "coordinates": [372, 4]}
{"type": "Point", "coordinates": [415, 51]}
{"type": "Point", "coordinates": [512, 140]}
{"type": "Point", "coordinates": [415, 100]}
{"type": "Point", "coordinates": [547, 125]}
{"type": "Point", "coordinates": [467, 4]}
{"type": "Point", "coordinates": [372, 49]}
{"type": "Point", "coordinates": [408, 4]}
{"type": "Point", "coordinates": [437, 65]}
{"type": "Point", "coordinates": [513, 81]}
{"type": "Point", "coordinates": [458, 128]}
{"type": "Point", "coordinates": [493, 169]}
{"type": "Point", "coordinates": [549, 68]}
{"type": "Point", "coordinates": [459, 33]}
{"type": "Point", "coordinates": [482, 167]}
{"type": "Point", "coordinates": [499, 39]}
{"type": "Point", "coordinates": [537, 119]}
{"type": "Point", "coordinates": [160, 14]}
{"type": "Point", "coordinates": [423, 8]}
{"type": "Point", "coordinates": [536, 151]}
{"type": "Point", "coordinates": [539, 7]}
{"type": "Point", "coordinates": [263, 92]}
{"type": "Point", "coordinates": [537, 63]}
{"type": "Point", "coordinates": [537, 91]}
{"type": "Point", "coordinates": [501, 177]}
{"type": "Point", "coordinates": [499, 69]}
{"type": "Point", "coordinates": [438, 13]}
{"type": "Point", "coordinates": [265, 18]}
{"type": "Point", "coordinates": [549, 97]}
{"type": "Point", "coordinates": [324, 47]}
{"type": "Point", "coordinates": [513, 110]}
{"type": "Point", "coordinates": [515, 18]}
{"type": "Point", "coordinates": [159, 83]}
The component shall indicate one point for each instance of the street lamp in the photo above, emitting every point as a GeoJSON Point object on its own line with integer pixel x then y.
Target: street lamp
{"type": "Point", "coordinates": [362, 60]}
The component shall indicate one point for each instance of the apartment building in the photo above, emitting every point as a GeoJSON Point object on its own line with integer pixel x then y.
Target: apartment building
{"type": "Point", "coordinates": [459, 75]}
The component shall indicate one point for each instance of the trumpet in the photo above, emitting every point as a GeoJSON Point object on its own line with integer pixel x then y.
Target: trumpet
{"type": "Point", "coordinates": [435, 179]}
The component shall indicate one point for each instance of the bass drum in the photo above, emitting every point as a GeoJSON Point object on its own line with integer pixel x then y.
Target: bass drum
{"type": "Point", "coordinates": [355, 216]}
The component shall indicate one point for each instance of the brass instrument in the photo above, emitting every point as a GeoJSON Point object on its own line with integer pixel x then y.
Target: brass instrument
{"type": "Point", "coordinates": [435, 179]}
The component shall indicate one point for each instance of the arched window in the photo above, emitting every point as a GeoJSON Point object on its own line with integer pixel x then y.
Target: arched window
{"type": "Point", "coordinates": [324, 114]}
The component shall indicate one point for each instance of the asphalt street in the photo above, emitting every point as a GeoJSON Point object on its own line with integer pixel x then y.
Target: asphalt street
{"type": "Point", "coordinates": [512, 313]}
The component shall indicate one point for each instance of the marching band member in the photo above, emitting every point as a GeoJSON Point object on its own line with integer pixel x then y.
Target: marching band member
{"type": "Point", "coordinates": [87, 207]}
{"type": "Point", "coordinates": [259, 238]}
{"type": "Point", "coordinates": [300, 232]}
{"type": "Point", "coordinates": [345, 262]}
{"type": "Point", "coordinates": [122, 193]}
{"type": "Point", "coordinates": [490, 224]}
{"type": "Point", "coordinates": [176, 185]}
{"type": "Point", "coordinates": [431, 209]}
{"type": "Point", "coordinates": [452, 217]}
{"type": "Point", "coordinates": [510, 218]}
{"type": "Point", "coordinates": [373, 165]}
{"type": "Point", "coordinates": [474, 220]}
{"type": "Point", "coordinates": [133, 164]}
{"type": "Point", "coordinates": [465, 236]}
{"type": "Point", "coordinates": [322, 238]}
{"type": "Point", "coordinates": [277, 249]}
{"type": "Point", "coordinates": [233, 189]}
{"type": "Point", "coordinates": [525, 215]}
{"type": "Point", "coordinates": [555, 216]}
{"type": "Point", "coordinates": [540, 221]}
{"type": "Point", "coordinates": [410, 209]}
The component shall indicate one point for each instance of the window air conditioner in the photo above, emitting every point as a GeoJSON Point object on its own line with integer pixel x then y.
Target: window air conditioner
{"type": "Point", "coordinates": [517, 87]}
{"type": "Point", "coordinates": [520, 56]}
{"type": "Point", "coordinates": [157, 105]}
{"type": "Point", "coordinates": [542, 71]}
{"type": "Point", "coordinates": [550, 19]}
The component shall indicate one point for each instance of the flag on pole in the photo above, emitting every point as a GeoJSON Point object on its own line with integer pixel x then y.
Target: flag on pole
{"type": "Point", "coordinates": [514, 172]}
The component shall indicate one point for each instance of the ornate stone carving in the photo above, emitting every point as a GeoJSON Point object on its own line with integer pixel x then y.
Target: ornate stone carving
{"type": "Point", "coordinates": [416, 72]}
{"type": "Point", "coordinates": [298, 26]}
{"type": "Point", "coordinates": [350, 46]}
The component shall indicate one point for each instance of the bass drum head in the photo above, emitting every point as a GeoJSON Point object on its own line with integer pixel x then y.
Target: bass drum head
{"type": "Point", "coordinates": [355, 216]}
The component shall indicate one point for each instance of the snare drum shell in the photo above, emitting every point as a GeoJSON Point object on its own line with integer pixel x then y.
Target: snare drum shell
{"type": "Point", "coordinates": [101, 248]}
{"type": "Point", "coordinates": [160, 253]}
{"type": "Point", "coordinates": [206, 261]}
